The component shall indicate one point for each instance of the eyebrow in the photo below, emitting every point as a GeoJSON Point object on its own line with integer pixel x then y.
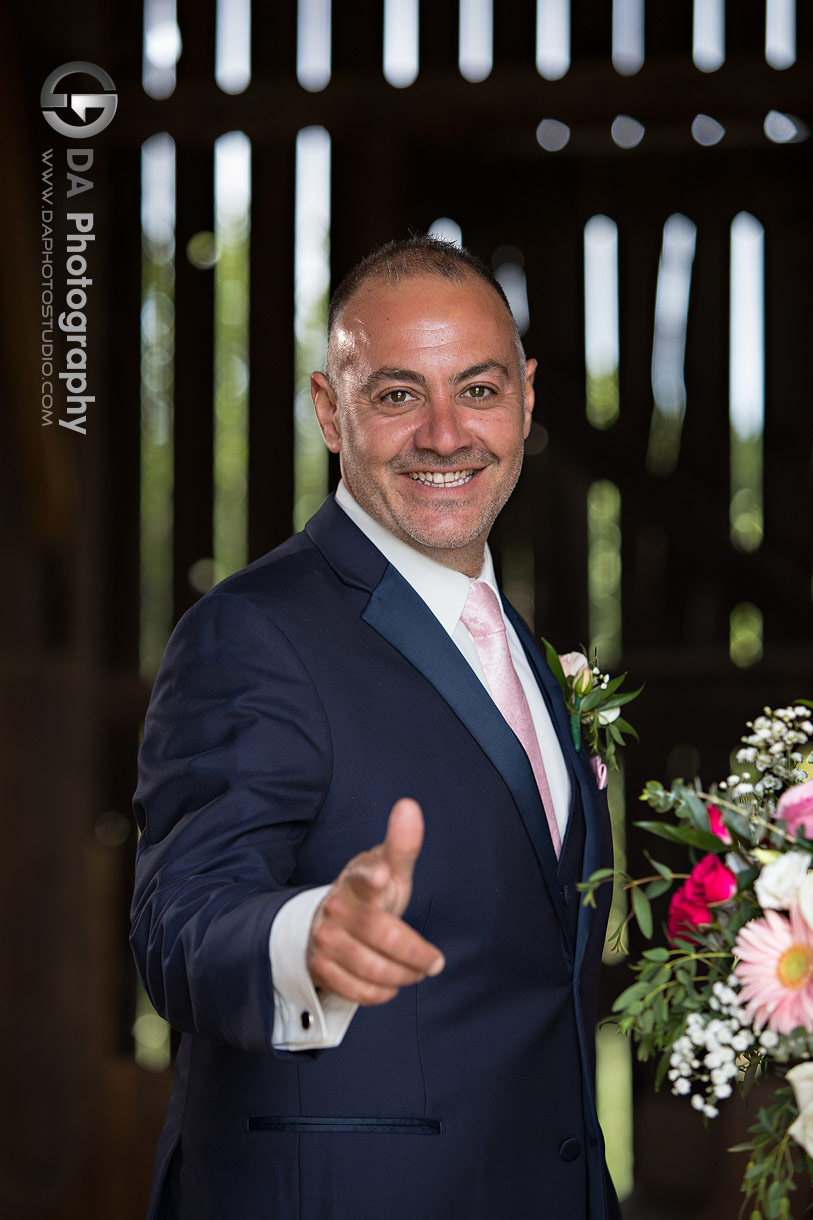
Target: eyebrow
{"type": "Point", "coordinates": [395, 374]}
{"type": "Point", "coordinates": [486, 366]}
{"type": "Point", "coordinates": [392, 374]}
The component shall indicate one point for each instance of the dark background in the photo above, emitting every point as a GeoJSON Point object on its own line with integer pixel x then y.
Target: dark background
{"type": "Point", "coordinates": [79, 1116]}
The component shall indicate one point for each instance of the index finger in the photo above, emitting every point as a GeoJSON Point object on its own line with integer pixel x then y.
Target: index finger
{"type": "Point", "coordinates": [391, 937]}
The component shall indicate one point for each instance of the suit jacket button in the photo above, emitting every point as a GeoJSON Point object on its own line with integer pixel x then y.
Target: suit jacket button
{"type": "Point", "coordinates": [307, 1020]}
{"type": "Point", "coordinates": [569, 1150]}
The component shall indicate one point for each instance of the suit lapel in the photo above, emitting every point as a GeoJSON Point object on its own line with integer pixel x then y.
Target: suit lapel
{"type": "Point", "coordinates": [578, 765]}
{"type": "Point", "coordinates": [401, 617]}
{"type": "Point", "coordinates": [397, 613]}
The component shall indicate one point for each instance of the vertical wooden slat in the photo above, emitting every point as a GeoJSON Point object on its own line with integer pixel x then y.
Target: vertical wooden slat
{"type": "Point", "coordinates": [668, 30]}
{"type": "Point", "coordinates": [591, 31]}
{"type": "Point", "coordinates": [358, 38]}
{"type": "Point", "coordinates": [554, 267]}
{"type": "Point", "coordinates": [196, 21]}
{"type": "Point", "coordinates": [271, 349]}
{"type": "Point", "coordinates": [438, 35]}
{"type": "Point", "coordinates": [121, 411]}
{"type": "Point", "coordinates": [514, 33]}
{"type": "Point", "coordinates": [273, 40]}
{"type": "Point", "coordinates": [194, 354]}
{"type": "Point", "coordinates": [804, 30]}
{"type": "Point", "coordinates": [745, 28]}
{"type": "Point", "coordinates": [639, 242]}
{"type": "Point", "coordinates": [788, 441]}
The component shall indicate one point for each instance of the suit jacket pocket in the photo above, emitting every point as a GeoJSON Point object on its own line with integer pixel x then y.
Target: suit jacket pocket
{"type": "Point", "coordinates": [302, 1125]}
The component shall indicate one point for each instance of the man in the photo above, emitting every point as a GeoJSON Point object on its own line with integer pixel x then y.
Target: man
{"type": "Point", "coordinates": [401, 1030]}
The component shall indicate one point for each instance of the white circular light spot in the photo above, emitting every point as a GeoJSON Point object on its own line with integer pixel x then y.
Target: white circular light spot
{"type": "Point", "coordinates": [447, 229]}
{"type": "Point", "coordinates": [162, 44]}
{"type": "Point", "coordinates": [626, 131]}
{"type": "Point", "coordinates": [784, 128]}
{"type": "Point", "coordinates": [706, 130]}
{"type": "Point", "coordinates": [552, 135]}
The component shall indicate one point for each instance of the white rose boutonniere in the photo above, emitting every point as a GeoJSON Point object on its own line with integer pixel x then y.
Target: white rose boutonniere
{"type": "Point", "coordinates": [594, 703]}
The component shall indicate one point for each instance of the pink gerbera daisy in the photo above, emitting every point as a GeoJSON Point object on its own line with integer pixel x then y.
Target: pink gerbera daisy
{"type": "Point", "coordinates": [775, 967]}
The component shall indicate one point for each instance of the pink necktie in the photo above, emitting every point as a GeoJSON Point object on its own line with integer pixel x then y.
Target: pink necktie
{"type": "Point", "coordinates": [483, 618]}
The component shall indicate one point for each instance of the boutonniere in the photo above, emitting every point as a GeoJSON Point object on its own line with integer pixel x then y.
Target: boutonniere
{"type": "Point", "coordinates": [594, 703]}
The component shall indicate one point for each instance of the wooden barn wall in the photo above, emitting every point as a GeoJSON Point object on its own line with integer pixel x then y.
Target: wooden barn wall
{"type": "Point", "coordinates": [79, 1118]}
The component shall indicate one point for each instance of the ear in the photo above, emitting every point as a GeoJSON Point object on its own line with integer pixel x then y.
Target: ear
{"type": "Point", "coordinates": [528, 392]}
{"type": "Point", "coordinates": [327, 411]}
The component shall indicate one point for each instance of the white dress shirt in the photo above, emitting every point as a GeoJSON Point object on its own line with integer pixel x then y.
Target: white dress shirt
{"type": "Point", "coordinates": [303, 1019]}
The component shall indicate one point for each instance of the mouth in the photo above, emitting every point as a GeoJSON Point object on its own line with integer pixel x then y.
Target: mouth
{"type": "Point", "coordinates": [439, 478]}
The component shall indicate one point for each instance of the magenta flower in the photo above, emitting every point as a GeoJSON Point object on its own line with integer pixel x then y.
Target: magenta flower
{"type": "Point", "coordinates": [708, 884]}
{"type": "Point", "coordinates": [775, 968]}
{"type": "Point", "coordinates": [717, 825]}
{"type": "Point", "coordinates": [687, 912]}
{"type": "Point", "coordinates": [795, 808]}
{"type": "Point", "coordinates": [713, 880]}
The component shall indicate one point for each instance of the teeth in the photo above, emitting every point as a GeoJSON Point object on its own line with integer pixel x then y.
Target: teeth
{"type": "Point", "coordinates": [451, 478]}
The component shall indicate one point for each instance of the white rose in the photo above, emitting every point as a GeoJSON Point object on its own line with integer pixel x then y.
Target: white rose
{"type": "Point", "coordinates": [804, 900]}
{"type": "Point", "coordinates": [802, 1129]}
{"type": "Point", "coordinates": [778, 882]}
{"type": "Point", "coordinates": [609, 716]}
{"type": "Point", "coordinates": [800, 1079]}
{"type": "Point", "coordinates": [573, 663]}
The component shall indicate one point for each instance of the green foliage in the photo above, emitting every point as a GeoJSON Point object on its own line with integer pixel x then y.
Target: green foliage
{"type": "Point", "coordinates": [774, 1158]}
{"type": "Point", "coordinates": [591, 699]}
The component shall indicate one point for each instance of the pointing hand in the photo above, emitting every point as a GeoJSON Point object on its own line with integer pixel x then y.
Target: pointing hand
{"type": "Point", "coordinates": [359, 947]}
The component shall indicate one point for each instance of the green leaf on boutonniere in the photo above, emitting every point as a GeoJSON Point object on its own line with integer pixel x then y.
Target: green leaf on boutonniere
{"type": "Point", "coordinates": [599, 694]}
{"type": "Point", "coordinates": [592, 701]}
{"type": "Point", "coordinates": [554, 664]}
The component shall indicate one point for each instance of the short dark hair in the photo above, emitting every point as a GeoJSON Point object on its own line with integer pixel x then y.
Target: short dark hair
{"type": "Point", "coordinates": [419, 254]}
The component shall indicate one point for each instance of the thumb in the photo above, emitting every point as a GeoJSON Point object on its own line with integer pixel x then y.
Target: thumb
{"type": "Point", "coordinates": [404, 838]}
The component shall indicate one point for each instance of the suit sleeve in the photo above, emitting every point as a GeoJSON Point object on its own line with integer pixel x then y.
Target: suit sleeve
{"type": "Point", "coordinates": [235, 765]}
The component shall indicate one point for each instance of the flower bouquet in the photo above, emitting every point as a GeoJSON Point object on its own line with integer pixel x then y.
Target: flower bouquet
{"type": "Point", "coordinates": [728, 1000]}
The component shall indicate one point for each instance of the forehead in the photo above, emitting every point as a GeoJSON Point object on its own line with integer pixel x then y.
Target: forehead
{"type": "Point", "coordinates": [424, 317]}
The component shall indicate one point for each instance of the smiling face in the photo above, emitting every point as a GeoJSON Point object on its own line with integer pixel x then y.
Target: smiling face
{"type": "Point", "coordinates": [428, 410]}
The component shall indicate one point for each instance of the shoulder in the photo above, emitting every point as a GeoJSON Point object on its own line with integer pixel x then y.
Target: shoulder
{"type": "Point", "coordinates": [274, 588]}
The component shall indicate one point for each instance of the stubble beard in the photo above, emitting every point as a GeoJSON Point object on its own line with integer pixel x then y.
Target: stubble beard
{"type": "Point", "coordinates": [403, 524]}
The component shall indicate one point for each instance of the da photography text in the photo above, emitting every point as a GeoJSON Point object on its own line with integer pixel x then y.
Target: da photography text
{"type": "Point", "coordinates": [66, 278]}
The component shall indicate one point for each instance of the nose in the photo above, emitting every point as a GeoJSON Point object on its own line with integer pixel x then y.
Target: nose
{"type": "Point", "coordinates": [442, 427]}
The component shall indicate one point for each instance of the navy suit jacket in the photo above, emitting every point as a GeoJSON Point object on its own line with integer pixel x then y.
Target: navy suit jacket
{"type": "Point", "coordinates": [296, 703]}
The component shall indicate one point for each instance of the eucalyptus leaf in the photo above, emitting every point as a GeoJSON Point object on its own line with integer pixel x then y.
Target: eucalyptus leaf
{"type": "Point", "coordinates": [703, 840]}
{"type": "Point", "coordinates": [696, 809]}
{"type": "Point", "coordinates": [664, 869]}
{"type": "Point", "coordinates": [632, 994]}
{"type": "Point", "coordinates": [643, 912]}
{"type": "Point", "coordinates": [596, 697]}
{"type": "Point", "coordinates": [656, 888]}
{"type": "Point", "coordinates": [555, 665]}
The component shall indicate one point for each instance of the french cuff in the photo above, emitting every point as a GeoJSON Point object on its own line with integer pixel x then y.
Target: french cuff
{"type": "Point", "coordinates": [304, 1019]}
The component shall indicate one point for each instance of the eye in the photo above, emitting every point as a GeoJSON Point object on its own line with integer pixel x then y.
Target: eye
{"type": "Point", "coordinates": [478, 392]}
{"type": "Point", "coordinates": [397, 398]}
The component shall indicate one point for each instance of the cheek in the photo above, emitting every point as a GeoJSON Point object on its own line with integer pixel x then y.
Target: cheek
{"type": "Point", "coordinates": [378, 440]}
{"type": "Point", "coordinates": [504, 438]}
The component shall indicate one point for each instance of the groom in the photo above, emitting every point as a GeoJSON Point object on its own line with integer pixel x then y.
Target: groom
{"type": "Point", "coordinates": [400, 1030]}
